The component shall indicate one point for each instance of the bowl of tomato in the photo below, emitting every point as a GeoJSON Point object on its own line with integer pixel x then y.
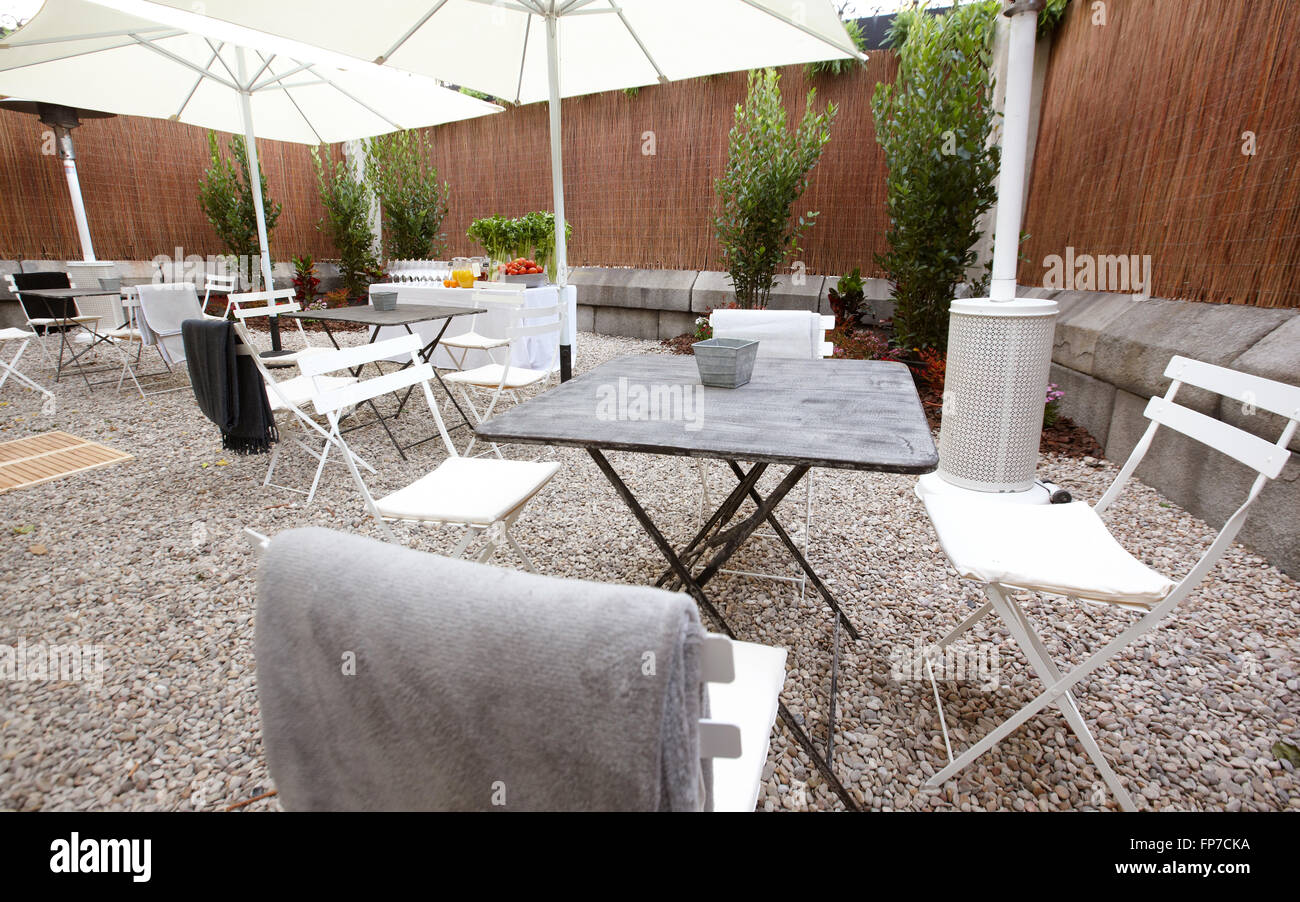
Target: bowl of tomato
{"type": "Point", "coordinates": [525, 271]}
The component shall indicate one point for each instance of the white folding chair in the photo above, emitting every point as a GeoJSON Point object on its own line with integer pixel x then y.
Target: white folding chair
{"type": "Point", "coordinates": [789, 334]}
{"type": "Point", "coordinates": [252, 304]}
{"type": "Point", "coordinates": [499, 378]}
{"type": "Point", "coordinates": [291, 397]}
{"type": "Point", "coordinates": [743, 681]}
{"type": "Point", "coordinates": [40, 323]}
{"type": "Point", "coordinates": [485, 496]}
{"type": "Point", "coordinates": [221, 284]}
{"type": "Point", "coordinates": [10, 368]}
{"type": "Point", "coordinates": [1066, 549]}
{"type": "Point", "coordinates": [474, 339]}
{"type": "Point", "coordinates": [164, 306]}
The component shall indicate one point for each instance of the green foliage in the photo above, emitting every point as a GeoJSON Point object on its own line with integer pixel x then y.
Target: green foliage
{"type": "Point", "coordinates": [847, 298]}
{"type": "Point", "coordinates": [531, 235]}
{"type": "Point", "coordinates": [226, 197]}
{"type": "Point", "coordinates": [767, 170]}
{"type": "Point", "coordinates": [1050, 16]}
{"type": "Point", "coordinates": [346, 200]}
{"type": "Point", "coordinates": [933, 123]}
{"type": "Point", "coordinates": [840, 66]}
{"type": "Point", "coordinates": [400, 173]}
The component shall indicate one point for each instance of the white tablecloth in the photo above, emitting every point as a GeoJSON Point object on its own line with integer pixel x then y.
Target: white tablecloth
{"type": "Point", "coordinates": [534, 351]}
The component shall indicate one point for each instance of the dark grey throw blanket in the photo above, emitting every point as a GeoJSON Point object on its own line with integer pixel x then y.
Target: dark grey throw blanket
{"type": "Point", "coordinates": [391, 679]}
{"type": "Point", "coordinates": [228, 386]}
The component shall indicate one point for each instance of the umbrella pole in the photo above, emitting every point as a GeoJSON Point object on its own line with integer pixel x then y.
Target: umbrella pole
{"type": "Point", "coordinates": [255, 185]}
{"type": "Point", "coordinates": [557, 192]}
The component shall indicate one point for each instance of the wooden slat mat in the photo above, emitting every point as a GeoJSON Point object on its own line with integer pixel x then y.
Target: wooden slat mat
{"type": "Point", "coordinates": [52, 455]}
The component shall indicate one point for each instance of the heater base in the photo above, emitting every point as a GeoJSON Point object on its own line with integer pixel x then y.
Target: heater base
{"type": "Point", "coordinates": [934, 484]}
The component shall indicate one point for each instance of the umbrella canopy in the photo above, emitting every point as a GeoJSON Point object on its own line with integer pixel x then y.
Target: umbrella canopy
{"type": "Point", "coordinates": [82, 54]}
{"type": "Point", "coordinates": [527, 50]}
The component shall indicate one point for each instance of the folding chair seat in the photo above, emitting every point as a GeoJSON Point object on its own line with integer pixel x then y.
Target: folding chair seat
{"type": "Point", "coordinates": [474, 339]}
{"type": "Point", "coordinates": [274, 304]}
{"type": "Point", "coordinates": [1068, 550]}
{"type": "Point", "coordinates": [485, 497]}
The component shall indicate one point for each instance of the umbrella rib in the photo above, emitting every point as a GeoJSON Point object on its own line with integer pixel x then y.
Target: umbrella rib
{"type": "Point", "coordinates": [663, 79]}
{"type": "Point", "coordinates": [217, 48]}
{"type": "Point", "coordinates": [266, 64]}
{"type": "Point", "coordinates": [383, 57]}
{"type": "Point", "coordinates": [184, 62]}
{"type": "Point", "coordinates": [198, 81]}
{"type": "Point", "coordinates": [360, 103]}
{"type": "Point", "coordinates": [281, 77]}
{"type": "Point", "coordinates": [523, 56]}
{"type": "Point", "coordinates": [319, 139]}
{"type": "Point", "coordinates": [851, 51]}
{"type": "Point", "coordinates": [63, 39]}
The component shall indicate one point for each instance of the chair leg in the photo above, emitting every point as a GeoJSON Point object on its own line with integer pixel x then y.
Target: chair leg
{"type": "Point", "coordinates": [320, 468]}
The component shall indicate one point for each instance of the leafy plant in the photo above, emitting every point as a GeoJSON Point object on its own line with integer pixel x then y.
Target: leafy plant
{"type": "Point", "coordinates": [399, 171]}
{"type": "Point", "coordinates": [531, 235]}
{"type": "Point", "coordinates": [861, 345]}
{"type": "Point", "coordinates": [1052, 409]}
{"type": "Point", "coordinates": [226, 197]}
{"type": "Point", "coordinates": [840, 66]}
{"type": "Point", "coordinates": [847, 298]}
{"type": "Point", "coordinates": [305, 283]}
{"type": "Point", "coordinates": [933, 123]}
{"type": "Point", "coordinates": [767, 170]}
{"type": "Point", "coordinates": [346, 200]}
{"type": "Point", "coordinates": [1050, 16]}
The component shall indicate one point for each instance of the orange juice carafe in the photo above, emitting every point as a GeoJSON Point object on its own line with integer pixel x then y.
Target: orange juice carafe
{"type": "Point", "coordinates": [462, 271]}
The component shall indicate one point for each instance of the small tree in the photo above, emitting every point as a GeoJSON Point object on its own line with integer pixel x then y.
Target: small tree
{"type": "Point", "coordinates": [227, 199]}
{"type": "Point", "coordinates": [347, 220]}
{"type": "Point", "coordinates": [767, 170]}
{"type": "Point", "coordinates": [934, 122]}
{"type": "Point", "coordinates": [399, 171]}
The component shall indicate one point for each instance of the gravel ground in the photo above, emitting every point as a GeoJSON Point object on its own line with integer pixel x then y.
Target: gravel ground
{"type": "Point", "coordinates": [145, 560]}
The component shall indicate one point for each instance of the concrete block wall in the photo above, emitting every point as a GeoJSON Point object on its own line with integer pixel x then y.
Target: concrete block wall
{"type": "Point", "coordinates": [1110, 354]}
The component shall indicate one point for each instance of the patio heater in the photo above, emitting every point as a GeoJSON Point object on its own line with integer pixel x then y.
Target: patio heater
{"type": "Point", "coordinates": [1000, 347]}
{"type": "Point", "coordinates": [63, 119]}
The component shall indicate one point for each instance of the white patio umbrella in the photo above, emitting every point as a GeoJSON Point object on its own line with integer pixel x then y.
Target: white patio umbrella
{"type": "Point", "coordinates": [82, 54]}
{"type": "Point", "coordinates": [529, 50]}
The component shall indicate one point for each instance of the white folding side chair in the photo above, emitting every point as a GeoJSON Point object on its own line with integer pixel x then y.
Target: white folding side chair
{"type": "Point", "coordinates": [221, 284]}
{"type": "Point", "coordinates": [160, 309]}
{"type": "Point", "coordinates": [484, 495]}
{"type": "Point", "coordinates": [10, 367]}
{"type": "Point", "coordinates": [290, 397]}
{"type": "Point", "coordinates": [253, 304]}
{"type": "Point", "coordinates": [1066, 549]}
{"type": "Point", "coordinates": [790, 334]}
{"type": "Point", "coordinates": [500, 378]}
{"type": "Point", "coordinates": [38, 323]}
{"type": "Point", "coordinates": [475, 339]}
{"type": "Point", "coordinates": [743, 681]}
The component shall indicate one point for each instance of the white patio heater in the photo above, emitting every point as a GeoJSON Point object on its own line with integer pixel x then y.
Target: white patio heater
{"type": "Point", "coordinates": [1000, 347]}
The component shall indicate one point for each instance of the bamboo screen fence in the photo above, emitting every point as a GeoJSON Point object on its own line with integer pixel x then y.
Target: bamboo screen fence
{"type": "Point", "coordinates": [139, 180]}
{"type": "Point", "coordinates": [1140, 147]}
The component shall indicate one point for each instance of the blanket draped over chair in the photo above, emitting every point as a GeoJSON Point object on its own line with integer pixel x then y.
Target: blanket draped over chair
{"type": "Point", "coordinates": [394, 679]}
{"type": "Point", "coordinates": [228, 387]}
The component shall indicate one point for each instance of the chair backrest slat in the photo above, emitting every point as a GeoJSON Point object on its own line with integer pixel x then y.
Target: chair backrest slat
{"type": "Point", "coordinates": [276, 302]}
{"type": "Point", "coordinates": [1275, 397]}
{"type": "Point", "coordinates": [1256, 453]}
{"type": "Point", "coordinates": [347, 358]}
{"type": "Point", "coordinates": [335, 399]}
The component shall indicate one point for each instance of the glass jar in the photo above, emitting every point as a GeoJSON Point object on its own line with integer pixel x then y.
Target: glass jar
{"type": "Point", "coordinates": [462, 271]}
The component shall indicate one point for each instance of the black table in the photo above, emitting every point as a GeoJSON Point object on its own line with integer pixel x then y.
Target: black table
{"type": "Point", "coordinates": [405, 315]}
{"type": "Point", "coordinates": [843, 414]}
{"type": "Point", "coordinates": [70, 321]}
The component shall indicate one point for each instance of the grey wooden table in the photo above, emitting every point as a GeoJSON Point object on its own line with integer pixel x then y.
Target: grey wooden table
{"type": "Point", "coordinates": [843, 414]}
{"type": "Point", "coordinates": [405, 315]}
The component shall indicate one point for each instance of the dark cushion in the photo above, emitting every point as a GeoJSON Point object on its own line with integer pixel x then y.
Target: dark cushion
{"type": "Point", "coordinates": [40, 308]}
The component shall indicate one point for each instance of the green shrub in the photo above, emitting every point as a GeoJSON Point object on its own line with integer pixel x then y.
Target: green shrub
{"type": "Point", "coordinates": [346, 200]}
{"type": "Point", "coordinates": [400, 173]}
{"type": "Point", "coordinates": [767, 170]}
{"type": "Point", "coordinates": [934, 122]}
{"type": "Point", "coordinates": [227, 200]}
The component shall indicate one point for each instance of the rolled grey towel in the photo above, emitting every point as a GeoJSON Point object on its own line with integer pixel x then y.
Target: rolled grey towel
{"type": "Point", "coordinates": [390, 679]}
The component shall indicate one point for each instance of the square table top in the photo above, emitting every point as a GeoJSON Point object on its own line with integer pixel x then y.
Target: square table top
{"type": "Point", "coordinates": [845, 414]}
{"type": "Point", "coordinates": [58, 294]}
{"type": "Point", "coordinates": [401, 315]}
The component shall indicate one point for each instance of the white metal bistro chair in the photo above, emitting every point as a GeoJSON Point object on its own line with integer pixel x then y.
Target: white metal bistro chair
{"type": "Point", "coordinates": [290, 399]}
{"type": "Point", "coordinates": [473, 339]}
{"type": "Point", "coordinates": [485, 496]}
{"type": "Point", "coordinates": [253, 304]}
{"type": "Point", "coordinates": [1066, 549]}
{"type": "Point", "coordinates": [38, 312]}
{"type": "Point", "coordinates": [500, 378]}
{"type": "Point", "coordinates": [164, 307]}
{"type": "Point", "coordinates": [743, 681]}
{"type": "Point", "coordinates": [221, 284]}
{"type": "Point", "coordinates": [790, 334]}
{"type": "Point", "coordinates": [10, 367]}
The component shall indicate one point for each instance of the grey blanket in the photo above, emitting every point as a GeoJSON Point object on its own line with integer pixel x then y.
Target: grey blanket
{"type": "Point", "coordinates": [392, 679]}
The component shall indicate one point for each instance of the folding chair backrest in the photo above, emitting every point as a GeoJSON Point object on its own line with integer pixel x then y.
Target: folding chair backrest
{"type": "Point", "coordinates": [42, 308]}
{"type": "Point", "coordinates": [1266, 458]}
{"type": "Point", "coordinates": [252, 304]}
{"type": "Point", "coordinates": [792, 334]}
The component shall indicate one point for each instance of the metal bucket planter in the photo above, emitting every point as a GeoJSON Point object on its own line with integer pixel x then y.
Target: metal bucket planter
{"type": "Point", "coordinates": [725, 362]}
{"type": "Point", "coordinates": [384, 300]}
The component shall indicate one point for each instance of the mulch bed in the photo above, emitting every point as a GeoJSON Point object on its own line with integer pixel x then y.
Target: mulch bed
{"type": "Point", "coordinates": [1063, 437]}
